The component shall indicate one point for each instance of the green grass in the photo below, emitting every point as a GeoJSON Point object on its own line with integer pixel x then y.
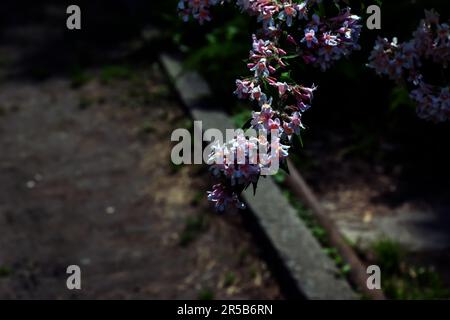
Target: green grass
{"type": "Point", "coordinates": [399, 280]}
{"type": "Point", "coordinates": [79, 78]}
{"type": "Point", "coordinates": [194, 226]}
{"type": "Point", "coordinates": [230, 279]}
{"type": "Point", "coordinates": [146, 127]}
{"type": "Point", "coordinates": [318, 232]}
{"type": "Point", "coordinates": [389, 255]}
{"type": "Point", "coordinates": [415, 283]}
{"type": "Point", "coordinates": [205, 294]}
{"type": "Point", "coordinates": [280, 177]}
{"type": "Point", "coordinates": [198, 198]}
{"type": "Point", "coordinates": [5, 271]}
{"type": "Point", "coordinates": [115, 72]}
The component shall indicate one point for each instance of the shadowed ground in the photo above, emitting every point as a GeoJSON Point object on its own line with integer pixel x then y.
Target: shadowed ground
{"type": "Point", "coordinates": [86, 179]}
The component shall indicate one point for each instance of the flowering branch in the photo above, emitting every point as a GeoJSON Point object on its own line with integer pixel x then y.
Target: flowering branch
{"type": "Point", "coordinates": [290, 29]}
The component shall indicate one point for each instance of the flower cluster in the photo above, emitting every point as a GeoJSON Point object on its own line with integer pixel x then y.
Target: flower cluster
{"type": "Point", "coordinates": [293, 99]}
{"type": "Point", "coordinates": [318, 40]}
{"type": "Point", "coordinates": [405, 61]}
{"type": "Point", "coordinates": [265, 59]}
{"type": "Point", "coordinates": [223, 198]}
{"type": "Point", "coordinates": [327, 40]}
{"type": "Point", "coordinates": [240, 161]}
{"type": "Point", "coordinates": [198, 9]}
{"type": "Point", "coordinates": [433, 102]}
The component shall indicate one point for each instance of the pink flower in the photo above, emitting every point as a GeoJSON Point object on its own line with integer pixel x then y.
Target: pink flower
{"type": "Point", "coordinates": [282, 87]}
{"type": "Point", "coordinates": [223, 198]}
{"type": "Point", "coordinates": [310, 37]}
{"type": "Point", "coordinates": [288, 13]}
{"type": "Point", "coordinates": [273, 124]}
{"type": "Point", "coordinates": [260, 120]}
{"type": "Point", "coordinates": [260, 68]}
{"type": "Point", "coordinates": [243, 88]}
{"type": "Point", "coordinates": [330, 39]}
{"type": "Point", "coordinates": [258, 95]}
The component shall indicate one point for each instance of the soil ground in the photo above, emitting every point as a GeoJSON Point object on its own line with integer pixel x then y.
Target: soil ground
{"type": "Point", "coordinates": [86, 179]}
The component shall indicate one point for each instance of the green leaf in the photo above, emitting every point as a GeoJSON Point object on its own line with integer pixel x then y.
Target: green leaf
{"type": "Point", "coordinates": [291, 56]}
{"type": "Point", "coordinates": [346, 268]}
{"type": "Point", "coordinates": [243, 119]}
{"type": "Point", "coordinates": [286, 76]}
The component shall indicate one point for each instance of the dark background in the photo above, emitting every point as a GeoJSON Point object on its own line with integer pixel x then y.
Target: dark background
{"type": "Point", "coordinates": [360, 126]}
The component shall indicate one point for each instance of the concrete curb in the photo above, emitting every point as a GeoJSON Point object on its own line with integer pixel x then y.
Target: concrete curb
{"type": "Point", "coordinates": [314, 273]}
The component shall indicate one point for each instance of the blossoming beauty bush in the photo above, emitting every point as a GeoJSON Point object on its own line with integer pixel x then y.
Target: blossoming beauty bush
{"type": "Point", "coordinates": [311, 32]}
{"type": "Point", "coordinates": [407, 62]}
